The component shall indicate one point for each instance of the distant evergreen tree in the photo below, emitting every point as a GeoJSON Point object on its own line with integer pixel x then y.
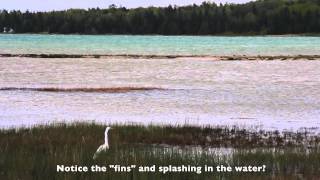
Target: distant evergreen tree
{"type": "Point", "coordinates": [258, 17]}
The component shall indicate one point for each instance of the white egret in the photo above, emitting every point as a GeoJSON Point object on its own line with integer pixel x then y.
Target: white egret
{"type": "Point", "coordinates": [103, 147]}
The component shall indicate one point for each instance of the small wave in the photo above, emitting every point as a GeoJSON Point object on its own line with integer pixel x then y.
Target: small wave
{"type": "Point", "coordinates": [87, 90]}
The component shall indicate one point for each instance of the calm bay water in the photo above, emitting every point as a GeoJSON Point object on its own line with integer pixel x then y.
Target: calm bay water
{"type": "Point", "coordinates": [159, 45]}
{"type": "Point", "coordinates": [268, 94]}
{"type": "Point", "coordinates": [273, 95]}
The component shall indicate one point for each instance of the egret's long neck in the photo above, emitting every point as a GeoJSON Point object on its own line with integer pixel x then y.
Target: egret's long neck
{"type": "Point", "coordinates": [106, 138]}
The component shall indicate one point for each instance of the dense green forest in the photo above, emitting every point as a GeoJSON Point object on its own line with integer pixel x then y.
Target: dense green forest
{"type": "Point", "coordinates": [258, 17]}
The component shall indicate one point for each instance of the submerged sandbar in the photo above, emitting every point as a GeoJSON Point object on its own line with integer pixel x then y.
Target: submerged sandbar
{"type": "Point", "coordinates": [138, 56]}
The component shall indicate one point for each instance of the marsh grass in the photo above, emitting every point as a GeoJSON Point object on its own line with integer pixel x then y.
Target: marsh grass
{"type": "Point", "coordinates": [33, 153]}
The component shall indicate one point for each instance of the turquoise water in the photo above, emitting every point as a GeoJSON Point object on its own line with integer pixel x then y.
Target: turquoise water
{"type": "Point", "coordinates": [159, 45]}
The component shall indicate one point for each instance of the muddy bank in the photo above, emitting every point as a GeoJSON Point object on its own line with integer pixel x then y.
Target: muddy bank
{"type": "Point", "coordinates": [136, 56]}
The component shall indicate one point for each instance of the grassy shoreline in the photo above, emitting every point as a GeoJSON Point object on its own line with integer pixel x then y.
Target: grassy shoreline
{"type": "Point", "coordinates": [181, 135]}
{"type": "Point", "coordinates": [33, 153]}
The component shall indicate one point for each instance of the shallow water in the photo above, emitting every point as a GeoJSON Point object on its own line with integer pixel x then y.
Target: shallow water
{"type": "Point", "coordinates": [159, 45]}
{"type": "Point", "coordinates": [273, 95]}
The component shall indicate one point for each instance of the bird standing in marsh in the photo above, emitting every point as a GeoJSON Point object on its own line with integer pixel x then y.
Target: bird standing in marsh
{"type": "Point", "coordinates": [103, 147]}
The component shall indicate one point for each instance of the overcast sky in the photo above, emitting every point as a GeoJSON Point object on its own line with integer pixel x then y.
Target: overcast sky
{"type": "Point", "coordinates": [47, 5]}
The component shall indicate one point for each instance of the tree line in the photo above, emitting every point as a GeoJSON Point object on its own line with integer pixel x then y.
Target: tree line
{"type": "Point", "coordinates": [257, 17]}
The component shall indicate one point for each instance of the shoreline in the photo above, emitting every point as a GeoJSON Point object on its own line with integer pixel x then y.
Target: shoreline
{"type": "Point", "coordinates": [155, 34]}
{"type": "Point", "coordinates": [206, 136]}
{"type": "Point", "coordinates": [137, 56]}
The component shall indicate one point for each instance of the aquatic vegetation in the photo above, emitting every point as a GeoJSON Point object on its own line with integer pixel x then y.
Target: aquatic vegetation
{"type": "Point", "coordinates": [34, 153]}
{"type": "Point", "coordinates": [87, 90]}
{"type": "Point", "coordinates": [223, 136]}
